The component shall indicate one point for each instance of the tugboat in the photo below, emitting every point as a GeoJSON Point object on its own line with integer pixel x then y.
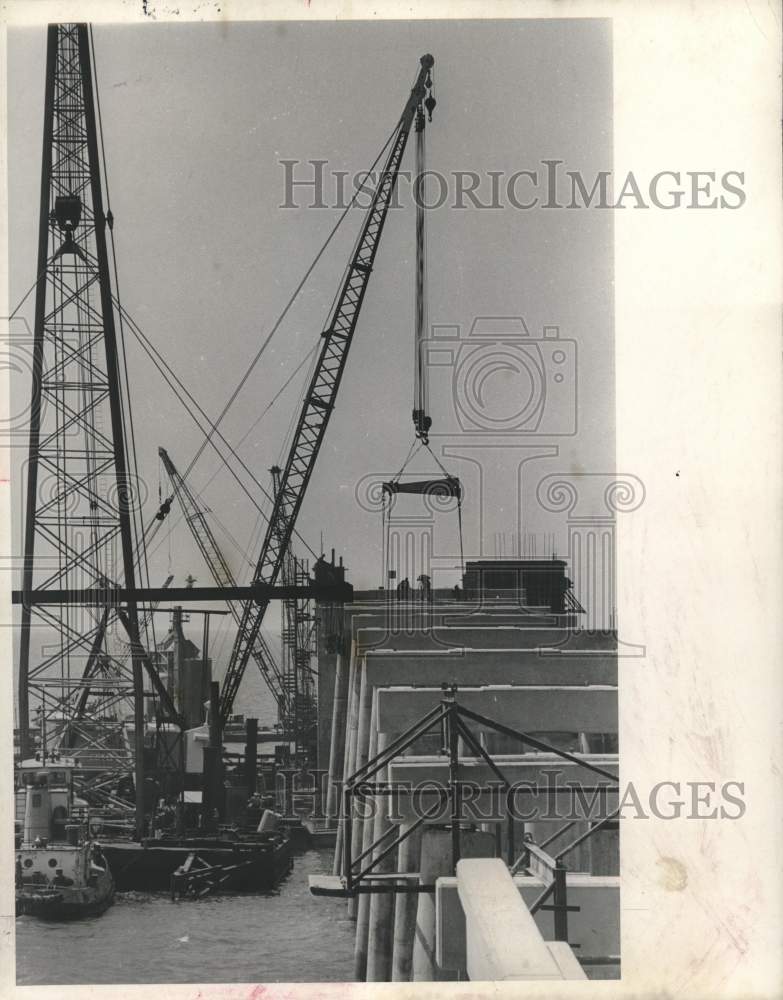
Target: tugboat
{"type": "Point", "coordinates": [61, 874]}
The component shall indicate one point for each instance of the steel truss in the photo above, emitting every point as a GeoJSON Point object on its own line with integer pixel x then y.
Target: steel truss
{"type": "Point", "coordinates": [81, 493]}
{"type": "Point", "coordinates": [452, 721]}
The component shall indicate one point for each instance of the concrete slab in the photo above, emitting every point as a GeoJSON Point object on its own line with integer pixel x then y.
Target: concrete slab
{"type": "Point", "coordinates": [591, 709]}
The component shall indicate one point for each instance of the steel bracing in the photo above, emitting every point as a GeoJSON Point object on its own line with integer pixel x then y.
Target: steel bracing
{"type": "Point", "coordinates": [361, 866]}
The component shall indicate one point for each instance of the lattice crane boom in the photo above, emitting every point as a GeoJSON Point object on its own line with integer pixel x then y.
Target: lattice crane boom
{"type": "Point", "coordinates": [223, 577]}
{"type": "Point", "coordinates": [322, 392]}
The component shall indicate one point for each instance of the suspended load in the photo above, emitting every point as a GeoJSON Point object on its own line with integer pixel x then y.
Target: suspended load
{"type": "Point", "coordinates": [449, 486]}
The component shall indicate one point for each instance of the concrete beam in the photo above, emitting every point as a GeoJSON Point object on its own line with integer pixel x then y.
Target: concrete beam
{"type": "Point", "coordinates": [488, 666]}
{"type": "Point", "coordinates": [479, 636]}
{"type": "Point", "coordinates": [502, 940]}
{"type": "Point", "coordinates": [402, 619]}
{"type": "Point", "coordinates": [594, 927]}
{"type": "Point", "coordinates": [532, 709]}
{"type": "Point", "coordinates": [541, 780]}
{"type": "Point", "coordinates": [567, 962]}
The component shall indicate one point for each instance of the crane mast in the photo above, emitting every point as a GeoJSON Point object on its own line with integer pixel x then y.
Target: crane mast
{"type": "Point", "coordinates": [321, 394]}
{"type": "Point", "coordinates": [223, 577]}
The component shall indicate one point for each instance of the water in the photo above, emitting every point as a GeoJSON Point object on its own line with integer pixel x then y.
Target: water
{"type": "Point", "coordinates": [282, 936]}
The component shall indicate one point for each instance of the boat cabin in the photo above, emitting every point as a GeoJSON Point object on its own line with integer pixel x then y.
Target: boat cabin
{"type": "Point", "coordinates": [52, 848]}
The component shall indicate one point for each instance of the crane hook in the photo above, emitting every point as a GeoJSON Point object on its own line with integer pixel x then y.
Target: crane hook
{"type": "Point", "coordinates": [429, 104]}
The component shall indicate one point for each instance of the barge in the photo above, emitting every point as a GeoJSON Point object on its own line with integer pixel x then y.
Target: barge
{"type": "Point", "coordinates": [261, 862]}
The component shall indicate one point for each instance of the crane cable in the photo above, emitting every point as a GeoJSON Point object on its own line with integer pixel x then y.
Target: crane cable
{"type": "Point", "coordinates": [294, 295]}
{"type": "Point", "coordinates": [422, 422]}
{"type": "Point", "coordinates": [214, 425]}
{"type": "Point", "coordinates": [185, 397]}
{"type": "Point", "coordinates": [125, 398]}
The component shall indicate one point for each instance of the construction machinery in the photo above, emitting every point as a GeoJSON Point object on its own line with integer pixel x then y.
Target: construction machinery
{"type": "Point", "coordinates": [322, 391]}
{"type": "Point", "coordinates": [300, 722]}
{"type": "Point", "coordinates": [291, 683]}
{"type": "Point", "coordinates": [222, 575]}
{"type": "Point", "coordinates": [84, 570]}
{"type": "Point", "coordinates": [83, 496]}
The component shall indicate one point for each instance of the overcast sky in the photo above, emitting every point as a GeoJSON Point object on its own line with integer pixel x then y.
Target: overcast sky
{"type": "Point", "coordinates": [197, 119]}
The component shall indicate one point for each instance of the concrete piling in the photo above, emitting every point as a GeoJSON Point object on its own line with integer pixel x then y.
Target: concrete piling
{"type": "Point", "coordinates": [405, 907]}
{"type": "Point", "coordinates": [364, 827]}
{"type": "Point", "coordinates": [350, 745]}
{"type": "Point", "coordinates": [337, 741]}
{"type": "Point", "coordinates": [361, 754]}
{"type": "Point", "coordinates": [381, 918]}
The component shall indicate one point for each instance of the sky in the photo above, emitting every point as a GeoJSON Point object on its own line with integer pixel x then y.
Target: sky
{"type": "Point", "coordinates": [197, 120]}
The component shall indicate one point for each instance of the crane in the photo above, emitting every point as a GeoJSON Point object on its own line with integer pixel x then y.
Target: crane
{"type": "Point", "coordinates": [297, 632]}
{"type": "Point", "coordinates": [322, 391]}
{"type": "Point", "coordinates": [223, 577]}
